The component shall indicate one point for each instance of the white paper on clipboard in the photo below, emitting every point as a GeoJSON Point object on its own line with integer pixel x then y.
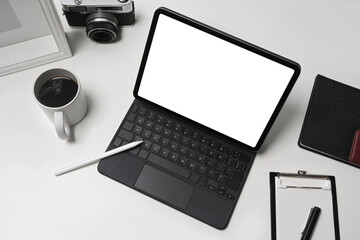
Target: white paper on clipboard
{"type": "Point", "coordinates": [293, 195]}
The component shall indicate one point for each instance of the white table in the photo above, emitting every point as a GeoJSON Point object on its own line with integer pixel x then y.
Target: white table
{"type": "Point", "coordinates": [322, 36]}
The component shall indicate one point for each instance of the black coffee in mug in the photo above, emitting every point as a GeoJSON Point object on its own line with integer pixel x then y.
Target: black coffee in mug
{"type": "Point", "coordinates": [57, 91]}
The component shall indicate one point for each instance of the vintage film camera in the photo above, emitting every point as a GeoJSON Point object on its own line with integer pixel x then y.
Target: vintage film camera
{"type": "Point", "coordinates": [101, 17]}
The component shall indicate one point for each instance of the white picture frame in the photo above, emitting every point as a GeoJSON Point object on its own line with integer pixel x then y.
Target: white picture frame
{"type": "Point", "coordinates": [24, 46]}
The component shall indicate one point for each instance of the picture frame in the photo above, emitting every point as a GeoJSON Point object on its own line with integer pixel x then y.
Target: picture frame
{"type": "Point", "coordinates": [31, 35]}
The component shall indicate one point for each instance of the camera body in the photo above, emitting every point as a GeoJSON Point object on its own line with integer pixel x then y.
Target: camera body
{"type": "Point", "coordinates": [101, 17]}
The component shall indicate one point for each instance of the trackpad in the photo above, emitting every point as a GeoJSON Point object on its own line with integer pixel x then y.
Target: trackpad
{"type": "Point", "coordinates": [165, 187]}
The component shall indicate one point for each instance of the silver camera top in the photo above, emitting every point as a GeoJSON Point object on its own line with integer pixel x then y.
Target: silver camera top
{"type": "Point", "coordinates": [88, 6]}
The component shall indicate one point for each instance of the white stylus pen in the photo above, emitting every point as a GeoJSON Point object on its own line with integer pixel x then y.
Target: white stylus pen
{"type": "Point", "coordinates": [97, 158]}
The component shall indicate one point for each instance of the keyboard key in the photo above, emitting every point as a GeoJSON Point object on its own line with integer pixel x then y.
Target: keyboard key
{"type": "Point", "coordinates": [211, 187]}
{"type": "Point", "coordinates": [209, 162]}
{"type": "Point", "coordinates": [191, 154]}
{"type": "Point", "coordinates": [168, 123]}
{"type": "Point", "coordinates": [155, 138]}
{"type": "Point", "coordinates": [173, 157]}
{"type": "Point", "coordinates": [228, 171]}
{"type": "Point", "coordinates": [173, 146]}
{"type": "Point", "coordinates": [139, 120]}
{"type": "Point", "coordinates": [238, 176]}
{"type": "Point", "coordinates": [155, 148]}
{"type": "Point", "coordinates": [199, 158]}
{"type": "Point", "coordinates": [131, 117]}
{"type": "Point", "coordinates": [220, 158]}
{"type": "Point", "coordinates": [148, 124]}
{"type": "Point", "coordinates": [210, 173]}
{"type": "Point", "coordinates": [192, 145]}
{"type": "Point", "coordinates": [236, 154]}
{"type": "Point", "coordinates": [240, 166]}
{"type": "Point", "coordinates": [222, 193]}
{"type": "Point", "coordinates": [146, 145]}
{"type": "Point", "coordinates": [222, 188]}
{"type": "Point", "coordinates": [237, 165]}
{"type": "Point", "coordinates": [183, 141]}
{"type": "Point", "coordinates": [141, 112]}
{"type": "Point", "coordinates": [169, 165]}
{"type": "Point", "coordinates": [219, 177]}
{"type": "Point", "coordinates": [229, 162]}
{"type": "Point", "coordinates": [137, 138]}
{"type": "Point", "coordinates": [177, 127]}
{"type": "Point", "coordinates": [164, 152]}
{"type": "Point", "coordinates": [200, 169]}
{"type": "Point", "coordinates": [203, 181]}
{"type": "Point", "coordinates": [146, 134]}
{"type": "Point", "coordinates": [203, 139]}
{"type": "Point", "coordinates": [157, 128]}
{"type": "Point", "coordinates": [164, 142]}
{"type": "Point", "coordinates": [182, 150]}
{"type": "Point", "coordinates": [230, 183]}
{"type": "Point", "coordinates": [212, 143]}
{"type": "Point", "coordinates": [174, 136]}
{"type": "Point", "coordinates": [243, 167]}
{"type": "Point", "coordinates": [135, 151]}
{"type": "Point", "coordinates": [117, 141]}
{"type": "Point", "coordinates": [128, 126]}
{"type": "Point", "coordinates": [124, 143]}
{"type": "Point", "coordinates": [166, 132]}
{"type": "Point", "coordinates": [245, 158]}
{"type": "Point", "coordinates": [159, 119]}
{"type": "Point", "coordinates": [150, 116]}
{"type": "Point", "coordinates": [219, 167]}
{"type": "Point", "coordinates": [143, 154]}
{"type": "Point", "coordinates": [185, 131]}
{"type": "Point", "coordinates": [182, 161]}
{"type": "Point", "coordinates": [134, 107]}
{"type": "Point", "coordinates": [195, 177]}
{"type": "Point", "coordinates": [194, 135]}
{"type": "Point", "coordinates": [221, 147]}
{"type": "Point", "coordinates": [229, 151]}
{"type": "Point", "coordinates": [202, 148]}
{"type": "Point", "coordinates": [229, 196]}
{"type": "Point", "coordinates": [126, 135]}
{"type": "Point", "coordinates": [211, 153]}
{"type": "Point", "coordinates": [191, 165]}
{"type": "Point", "coordinates": [137, 130]}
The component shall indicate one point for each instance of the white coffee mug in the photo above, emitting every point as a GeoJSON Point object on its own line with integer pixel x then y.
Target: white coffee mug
{"type": "Point", "coordinates": [59, 94]}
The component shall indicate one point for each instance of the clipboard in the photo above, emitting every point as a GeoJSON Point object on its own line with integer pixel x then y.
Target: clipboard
{"type": "Point", "coordinates": [292, 195]}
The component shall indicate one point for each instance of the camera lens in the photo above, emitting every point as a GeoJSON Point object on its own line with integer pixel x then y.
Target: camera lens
{"type": "Point", "coordinates": [101, 27]}
{"type": "Point", "coordinates": [101, 32]}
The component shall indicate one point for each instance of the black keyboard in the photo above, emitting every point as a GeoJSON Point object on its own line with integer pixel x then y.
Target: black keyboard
{"type": "Point", "coordinates": [190, 153]}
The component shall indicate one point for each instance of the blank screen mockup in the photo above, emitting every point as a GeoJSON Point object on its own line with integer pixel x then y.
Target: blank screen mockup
{"type": "Point", "coordinates": [211, 81]}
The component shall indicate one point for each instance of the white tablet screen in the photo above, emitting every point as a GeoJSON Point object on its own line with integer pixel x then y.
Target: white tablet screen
{"type": "Point", "coordinates": [211, 81]}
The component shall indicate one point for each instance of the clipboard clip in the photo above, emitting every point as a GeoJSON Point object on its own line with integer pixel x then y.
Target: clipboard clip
{"type": "Point", "coordinates": [325, 184]}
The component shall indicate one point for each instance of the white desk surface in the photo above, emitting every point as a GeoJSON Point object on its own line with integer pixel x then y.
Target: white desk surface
{"type": "Point", "coordinates": [322, 36]}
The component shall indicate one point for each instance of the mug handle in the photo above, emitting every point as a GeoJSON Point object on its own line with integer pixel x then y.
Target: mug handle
{"type": "Point", "coordinates": [61, 125]}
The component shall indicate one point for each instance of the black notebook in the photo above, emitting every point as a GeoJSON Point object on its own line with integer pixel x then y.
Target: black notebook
{"type": "Point", "coordinates": [332, 117]}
